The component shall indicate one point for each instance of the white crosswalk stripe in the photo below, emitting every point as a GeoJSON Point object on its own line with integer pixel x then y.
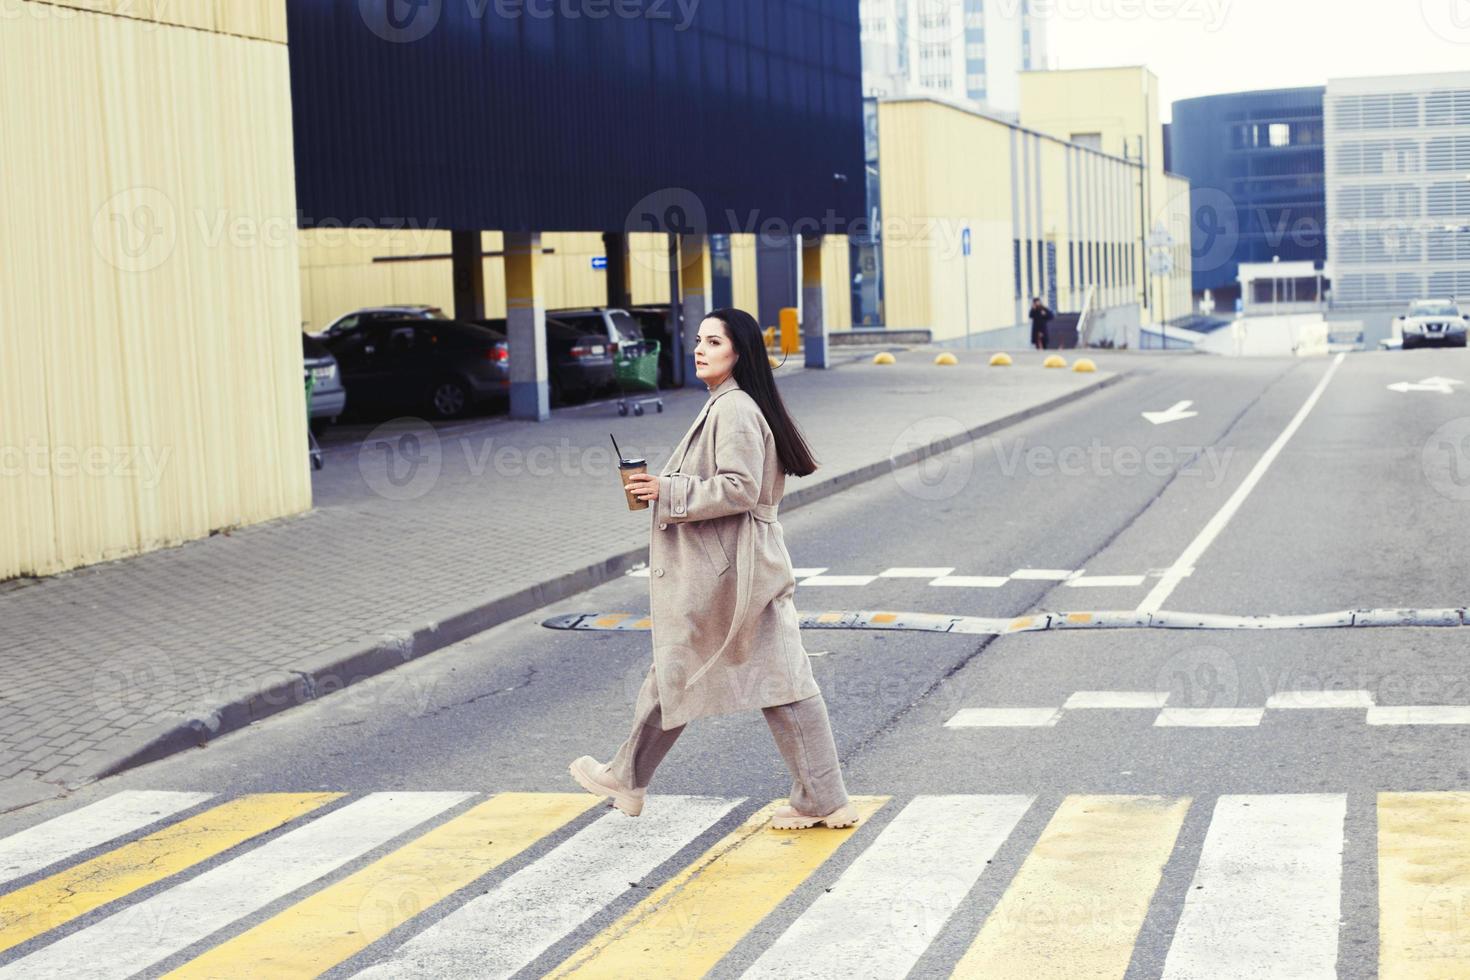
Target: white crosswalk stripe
{"type": "Point", "coordinates": [80, 830]}
{"type": "Point", "coordinates": [881, 914]}
{"type": "Point", "coordinates": [1263, 896]}
{"type": "Point", "coordinates": [1264, 901]}
{"type": "Point", "coordinates": [500, 932]}
{"type": "Point", "coordinates": [140, 935]}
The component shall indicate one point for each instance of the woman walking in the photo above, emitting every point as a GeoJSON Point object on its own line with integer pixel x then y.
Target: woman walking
{"type": "Point", "coordinates": [725, 628]}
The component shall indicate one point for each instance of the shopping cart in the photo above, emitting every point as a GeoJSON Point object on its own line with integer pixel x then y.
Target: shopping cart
{"type": "Point", "coordinates": [636, 369]}
{"type": "Point", "coordinates": [313, 448]}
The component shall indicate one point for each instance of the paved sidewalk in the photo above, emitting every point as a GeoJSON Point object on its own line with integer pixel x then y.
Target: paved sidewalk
{"type": "Point", "coordinates": [418, 539]}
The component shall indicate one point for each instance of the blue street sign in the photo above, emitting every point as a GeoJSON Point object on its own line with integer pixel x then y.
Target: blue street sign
{"type": "Point", "coordinates": [965, 239]}
{"type": "Point", "coordinates": [599, 262]}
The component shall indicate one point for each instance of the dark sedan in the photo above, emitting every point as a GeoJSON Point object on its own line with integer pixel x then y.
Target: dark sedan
{"type": "Point", "coordinates": [579, 363]}
{"type": "Point", "coordinates": [443, 367]}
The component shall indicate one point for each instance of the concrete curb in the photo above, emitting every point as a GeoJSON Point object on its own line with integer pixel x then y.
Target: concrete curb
{"type": "Point", "coordinates": [358, 660]}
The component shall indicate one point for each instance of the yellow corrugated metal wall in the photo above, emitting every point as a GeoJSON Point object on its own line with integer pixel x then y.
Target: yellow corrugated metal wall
{"type": "Point", "coordinates": [150, 358]}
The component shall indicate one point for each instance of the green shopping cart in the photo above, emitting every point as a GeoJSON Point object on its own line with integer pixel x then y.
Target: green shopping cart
{"type": "Point", "coordinates": [313, 448]}
{"type": "Point", "coordinates": [636, 369]}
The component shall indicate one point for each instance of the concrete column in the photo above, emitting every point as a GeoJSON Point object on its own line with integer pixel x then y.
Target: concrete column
{"type": "Point", "coordinates": [619, 270]}
{"type": "Point", "coordinates": [813, 319]}
{"type": "Point", "coordinates": [694, 284]}
{"type": "Point", "coordinates": [467, 258]}
{"type": "Point", "coordinates": [525, 310]}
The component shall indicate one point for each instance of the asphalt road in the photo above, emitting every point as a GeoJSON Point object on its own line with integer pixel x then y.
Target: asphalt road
{"type": "Point", "coordinates": [1221, 818]}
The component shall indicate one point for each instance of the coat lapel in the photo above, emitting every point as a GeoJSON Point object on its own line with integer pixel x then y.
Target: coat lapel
{"type": "Point", "coordinates": [677, 459]}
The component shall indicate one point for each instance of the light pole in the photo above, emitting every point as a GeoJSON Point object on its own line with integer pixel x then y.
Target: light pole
{"type": "Point", "coordinates": [1275, 281]}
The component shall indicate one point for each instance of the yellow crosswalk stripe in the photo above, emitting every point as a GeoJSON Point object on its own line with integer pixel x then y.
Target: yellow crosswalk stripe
{"type": "Point", "coordinates": [1424, 885]}
{"type": "Point", "coordinates": [1076, 905]}
{"type": "Point", "coordinates": [696, 917]}
{"type": "Point", "coordinates": [53, 901]}
{"type": "Point", "coordinates": [334, 924]}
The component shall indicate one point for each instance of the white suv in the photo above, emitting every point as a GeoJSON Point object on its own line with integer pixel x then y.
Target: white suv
{"type": "Point", "coordinates": [1432, 321]}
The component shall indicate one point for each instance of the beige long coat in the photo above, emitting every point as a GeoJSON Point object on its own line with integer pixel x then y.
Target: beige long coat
{"type": "Point", "coordinates": [725, 630]}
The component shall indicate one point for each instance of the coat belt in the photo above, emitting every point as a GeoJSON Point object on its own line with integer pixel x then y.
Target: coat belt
{"type": "Point", "coordinates": [764, 512]}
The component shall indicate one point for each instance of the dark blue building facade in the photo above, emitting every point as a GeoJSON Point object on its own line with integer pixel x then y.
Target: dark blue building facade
{"type": "Point", "coordinates": [552, 115]}
{"type": "Point", "coordinates": [1257, 180]}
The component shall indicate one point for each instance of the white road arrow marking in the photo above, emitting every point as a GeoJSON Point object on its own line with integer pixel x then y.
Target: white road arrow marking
{"type": "Point", "coordinates": [1174, 414]}
{"type": "Point", "coordinates": [1444, 386]}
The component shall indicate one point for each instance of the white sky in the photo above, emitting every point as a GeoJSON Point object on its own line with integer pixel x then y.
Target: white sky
{"type": "Point", "coordinates": [1207, 47]}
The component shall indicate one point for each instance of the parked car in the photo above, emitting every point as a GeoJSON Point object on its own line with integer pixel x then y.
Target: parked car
{"type": "Point", "coordinates": [355, 319]}
{"type": "Point", "coordinates": [443, 367]}
{"type": "Point", "coordinates": [1432, 321]}
{"type": "Point", "coordinates": [328, 397]}
{"type": "Point", "coordinates": [579, 364]}
{"type": "Point", "coordinates": [654, 322]}
{"type": "Point", "coordinates": [618, 326]}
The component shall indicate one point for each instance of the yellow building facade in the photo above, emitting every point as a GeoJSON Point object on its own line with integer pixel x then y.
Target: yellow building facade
{"type": "Point", "coordinates": [151, 385]}
{"type": "Point", "coordinates": [1046, 218]}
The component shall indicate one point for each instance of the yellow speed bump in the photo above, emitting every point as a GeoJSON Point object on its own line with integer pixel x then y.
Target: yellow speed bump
{"type": "Point", "coordinates": [883, 357]}
{"type": "Point", "coordinates": [1084, 365]}
{"type": "Point", "coordinates": [1054, 361]}
{"type": "Point", "coordinates": [1001, 359]}
{"type": "Point", "coordinates": [946, 359]}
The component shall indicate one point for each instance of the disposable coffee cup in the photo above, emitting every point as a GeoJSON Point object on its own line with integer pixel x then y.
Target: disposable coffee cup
{"type": "Point", "coordinates": [627, 468]}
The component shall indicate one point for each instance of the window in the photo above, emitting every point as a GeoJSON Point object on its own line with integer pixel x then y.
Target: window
{"type": "Point", "coordinates": [1280, 134]}
{"type": "Point", "coordinates": [1092, 141]}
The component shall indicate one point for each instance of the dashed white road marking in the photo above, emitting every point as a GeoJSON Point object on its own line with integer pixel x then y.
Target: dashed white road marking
{"type": "Point", "coordinates": [915, 572]}
{"type": "Point", "coordinates": [1043, 574]}
{"type": "Point", "coordinates": [1105, 582]}
{"type": "Point", "coordinates": [970, 581]}
{"type": "Point", "coordinates": [1320, 699]}
{"type": "Point", "coordinates": [1190, 557]}
{"type": "Point", "coordinates": [1427, 714]}
{"type": "Point", "coordinates": [1004, 718]}
{"type": "Point", "coordinates": [1209, 717]}
{"type": "Point", "coordinates": [840, 580]}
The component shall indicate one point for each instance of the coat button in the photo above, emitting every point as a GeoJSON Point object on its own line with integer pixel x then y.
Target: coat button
{"type": "Point", "coordinates": [663, 527]}
{"type": "Point", "coordinates": [659, 572]}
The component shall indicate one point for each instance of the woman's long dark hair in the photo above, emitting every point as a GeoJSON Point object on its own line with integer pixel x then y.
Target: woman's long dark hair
{"type": "Point", "coordinates": [753, 374]}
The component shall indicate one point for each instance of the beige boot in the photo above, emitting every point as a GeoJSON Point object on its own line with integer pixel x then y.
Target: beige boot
{"type": "Point", "coordinates": [789, 818]}
{"type": "Point", "coordinates": [595, 779]}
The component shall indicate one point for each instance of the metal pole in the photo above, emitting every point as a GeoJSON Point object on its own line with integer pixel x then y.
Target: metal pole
{"type": "Point", "coordinates": [966, 270]}
{"type": "Point", "coordinates": [676, 312]}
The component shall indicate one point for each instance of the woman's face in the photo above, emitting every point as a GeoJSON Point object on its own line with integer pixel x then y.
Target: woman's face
{"type": "Point", "coordinates": [714, 354]}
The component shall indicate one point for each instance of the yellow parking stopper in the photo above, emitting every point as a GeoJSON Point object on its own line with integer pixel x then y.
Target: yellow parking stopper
{"type": "Point", "coordinates": [946, 359]}
{"type": "Point", "coordinates": [1054, 361]}
{"type": "Point", "coordinates": [883, 357]}
{"type": "Point", "coordinates": [1000, 360]}
{"type": "Point", "coordinates": [1084, 365]}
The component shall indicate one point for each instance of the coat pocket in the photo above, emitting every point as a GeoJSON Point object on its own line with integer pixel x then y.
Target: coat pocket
{"type": "Point", "coordinates": [709, 540]}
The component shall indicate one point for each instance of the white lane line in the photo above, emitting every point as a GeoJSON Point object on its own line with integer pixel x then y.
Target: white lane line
{"type": "Point", "coordinates": [1265, 898]}
{"type": "Point", "coordinates": [1117, 699]}
{"type": "Point", "coordinates": [1320, 699]}
{"type": "Point", "coordinates": [143, 934]}
{"type": "Point", "coordinates": [969, 582]}
{"type": "Point", "coordinates": [1004, 718]}
{"type": "Point", "coordinates": [1105, 582]}
{"type": "Point", "coordinates": [498, 933]}
{"type": "Point", "coordinates": [1192, 554]}
{"type": "Point", "coordinates": [807, 572]}
{"type": "Point", "coordinates": [1209, 718]}
{"type": "Point", "coordinates": [841, 580]}
{"type": "Point", "coordinates": [1448, 714]}
{"type": "Point", "coordinates": [1043, 574]}
{"type": "Point", "coordinates": [82, 829]}
{"type": "Point", "coordinates": [880, 915]}
{"type": "Point", "coordinates": [915, 572]}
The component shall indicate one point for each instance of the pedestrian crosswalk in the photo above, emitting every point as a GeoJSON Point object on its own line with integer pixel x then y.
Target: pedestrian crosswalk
{"type": "Point", "coordinates": [945, 577]}
{"type": "Point", "coordinates": [459, 883]}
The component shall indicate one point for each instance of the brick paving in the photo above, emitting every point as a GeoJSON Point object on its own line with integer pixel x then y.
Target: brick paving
{"type": "Point", "coordinates": [407, 529]}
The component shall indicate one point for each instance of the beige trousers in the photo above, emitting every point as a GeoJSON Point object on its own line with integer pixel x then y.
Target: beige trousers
{"type": "Point", "coordinates": [803, 735]}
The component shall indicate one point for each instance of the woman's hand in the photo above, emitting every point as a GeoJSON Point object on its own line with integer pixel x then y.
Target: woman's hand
{"type": "Point", "coordinates": [643, 486]}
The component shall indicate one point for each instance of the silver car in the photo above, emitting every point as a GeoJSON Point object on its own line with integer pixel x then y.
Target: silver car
{"type": "Point", "coordinates": [1432, 321]}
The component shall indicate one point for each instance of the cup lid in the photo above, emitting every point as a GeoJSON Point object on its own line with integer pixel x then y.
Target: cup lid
{"type": "Point", "coordinates": [639, 461]}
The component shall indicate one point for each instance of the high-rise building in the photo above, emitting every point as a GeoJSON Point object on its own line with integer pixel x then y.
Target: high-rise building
{"type": "Point", "coordinates": [966, 51]}
{"type": "Point", "coordinates": [1398, 188]}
